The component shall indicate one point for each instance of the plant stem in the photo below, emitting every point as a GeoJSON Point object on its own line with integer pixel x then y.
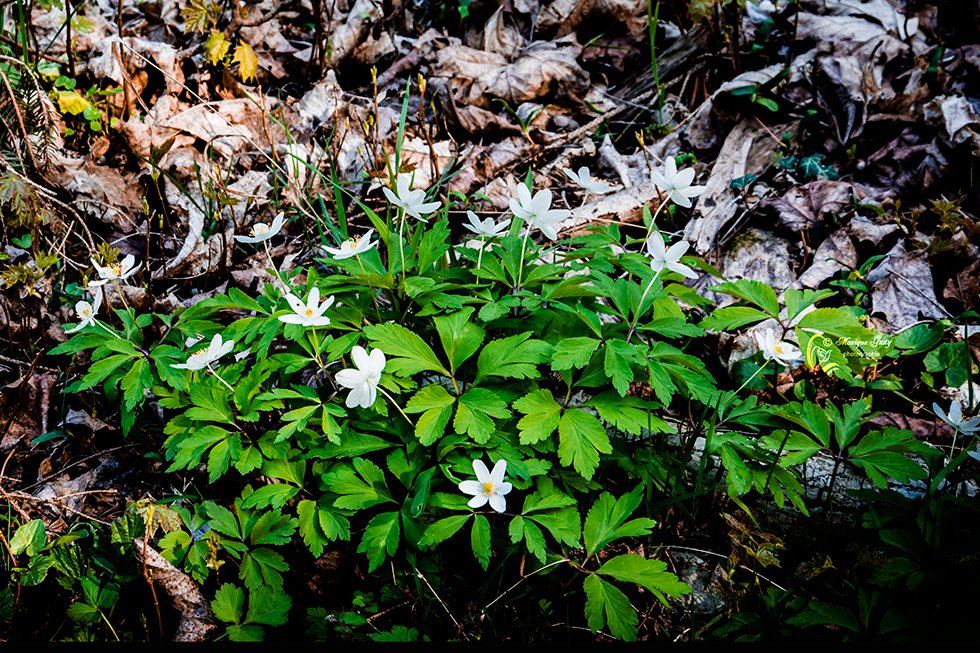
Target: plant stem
{"type": "Point", "coordinates": [218, 376]}
{"type": "Point", "coordinates": [636, 317]}
{"type": "Point", "coordinates": [520, 268]}
{"type": "Point", "coordinates": [395, 404]}
{"type": "Point", "coordinates": [653, 218]}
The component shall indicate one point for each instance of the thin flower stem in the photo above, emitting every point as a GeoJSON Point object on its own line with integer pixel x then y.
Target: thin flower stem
{"type": "Point", "coordinates": [374, 296]}
{"type": "Point", "coordinates": [132, 315]}
{"type": "Point", "coordinates": [395, 403]}
{"type": "Point", "coordinates": [316, 350]}
{"type": "Point", "coordinates": [523, 578]}
{"type": "Point", "coordinates": [218, 376]}
{"type": "Point", "coordinates": [653, 219]}
{"type": "Point", "coordinates": [479, 258]}
{"type": "Point", "coordinates": [585, 199]}
{"type": "Point", "coordinates": [273, 265]}
{"type": "Point", "coordinates": [636, 318]}
{"type": "Point", "coordinates": [401, 244]}
{"type": "Point", "coordinates": [520, 268]}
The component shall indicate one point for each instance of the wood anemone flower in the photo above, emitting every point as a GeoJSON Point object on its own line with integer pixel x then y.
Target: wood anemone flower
{"type": "Point", "coordinates": [955, 418]}
{"type": "Point", "coordinates": [537, 211]}
{"type": "Point", "coordinates": [781, 351]}
{"type": "Point", "coordinates": [488, 486]}
{"type": "Point", "coordinates": [485, 228]}
{"type": "Point", "coordinates": [352, 246]}
{"type": "Point", "coordinates": [310, 314]}
{"type": "Point", "coordinates": [363, 382]}
{"type": "Point", "coordinates": [677, 184]}
{"type": "Point", "coordinates": [661, 257]}
{"type": "Point", "coordinates": [411, 201]}
{"type": "Point", "coordinates": [87, 312]}
{"type": "Point", "coordinates": [588, 182]}
{"type": "Point", "coordinates": [203, 358]}
{"type": "Point", "coordinates": [261, 231]}
{"type": "Point", "coordinates": [115, 272]}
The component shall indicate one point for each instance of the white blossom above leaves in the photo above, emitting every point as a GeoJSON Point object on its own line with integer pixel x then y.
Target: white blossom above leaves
{"type": "Point", "coordinates": [115, 272]}
{"type": "Point", "coordinates": [661, 257]}
{"type": "Point", "coordinates": [584, 179]}
{"type": "Point", "coordinates": [261, 231]}
{"type": "Point", "coordinates": [955, 418]}
{"type": "Point", "coordinates": [411, 201]}
{"type": "Point", "coordinates": [310, 314]}
{"type": "Point", "coordinates": [488, 486]}
{"type": "Point", "coordinates": [487, 228]}
{"type": "Point", "coordinates": [537, 211]}
{"type": "Point", "coordinates": [780, 351]}
{"type": "Point", "coordinates": [203, 358]}
{"type": "Point", "coordinates": [363, 381]}
{"type": "Point", "coordinates": [86, 312]}
{"type": "Point", "coordinates": [353, 246]}
{"type": "Point", "coordinates": [677, 184]}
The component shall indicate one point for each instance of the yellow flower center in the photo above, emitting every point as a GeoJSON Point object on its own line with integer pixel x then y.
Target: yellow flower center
{"type": "Point", "coordinates": [200, 352]}
{"type": "Point", "coordinates": [350, 244]}
{"type": "Point", "coordinates": [259, 230]}
{"type": "Point", "coordinates": [488, 489]}
{"type": "Point", "coordinates": [116, 270]}
{"type": "Point", "coordinates": [309, 312]}
{"type": "Point", "coordinates": [777, 349]}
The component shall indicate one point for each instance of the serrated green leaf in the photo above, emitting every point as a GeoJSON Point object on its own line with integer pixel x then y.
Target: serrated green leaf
{"type": "Point", "coordinates": [228, 602]}
{"type": "Point", "coordinates": [573, 352]}
{"type": "Point", "coordinates": [629, 414]}
{"type": "Point", "coordinates": [480, 540]}
{"type": "Point", "coordinates": [756, 292]}
{"type": "Point", "coordinates": [406, 352]}
{"type": "Point", "coordinates": [269, 606]}
{"type": "Point", "coordinates": [732, 317]}
{"type": "Point", "coordinates": [473, 416]}
{"type": "Point", "coordinates": [604, 522]}
{"type": "Point", "coordinates": [617, 364]}
{"type": "Point", "coordinates": [361, 487]}
{"type": "Point", "coordinates": [651, 574]}
{"type": "Point", "coordinates": [604, 602]}
{"type": "Point", "coordinates": [271, 495]}
{"type": "Point", "coordinates": [541, 416]}
{"type": "Point", "coordinates": [582, 440]}
{"type": "Point", "coordinates": [273, 528]}
{"type": "Point", "coordinates": [443, 529]}
{"type": "Point", "coordinates": [381, 535]}
{"type": "Point", "coordinates": [521, 528]}
{"type": "Point", "coordinates": [460, 338]}
{"type": "Point", "coordinates": [437, 405]}
{"type": "Point", "coordinates": [516, 357]}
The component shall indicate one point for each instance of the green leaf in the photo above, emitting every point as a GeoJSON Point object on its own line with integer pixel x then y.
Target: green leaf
{"type": "Point", "coordinates": [273, 528]}
{"type": "Point", "coordinates": [434, 244]}
{"type": "Point", "coordinates": [30, 538]}
{"type": "Point", "coordinates": [480, 540]}
{"type": "Point", "coordinates": [756, 292]}
{"type": "Point", "coordinates": [269, 606]}
{"type": "Point", "coordinates": [618, 364]}
{"type": "Point", "coordinates": [604, 522]}
{"type": "Point", "coordinates": [460, 338]}
{"type": "Point", "coordinates": [582, 440]}
{"type": "Point", "coordinates": [541, 416]}
{"type": "Point", "coordinates": [573, 352]}
{"type": "Point", "coordinates": [630, 414]}
{"type": "Point", "coordinates": [521, 528]}
{"type": "Point", "coordinates": [359, 490]}
{"type": "Point", "coordinates": [436, 405]}
{"type": "Point", "coordinates": [381, 535]}
{"type": "Point", "coordinates": [476, 407]}
{"type": "Point", "coordinates": [515, 357]}
{"type": "Point", "coordinates": [411, 354]}
{"type": "Point", "coordinates": [443, 529]}
{"type": "Point", "coordinates": [228, 602]}
{"type": "Point", "coordinates": [732, 317]}
{"type": "Point", "coordinates": [606, 603]}
{"type": "Point", "coordinates": [650, 574]}
{"type": "Point", "coordinates": [250, 633]}
{"type": "Point", "coordinates": [271, 495]}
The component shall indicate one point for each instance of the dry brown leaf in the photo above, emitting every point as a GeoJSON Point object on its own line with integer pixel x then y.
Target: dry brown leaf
{"type": "Point", "coordinates": [803, 207]}
{"type": "Point", "coordinates": [865, 229]}
{"type": "Point", "coordinates": [838, 247]}
{"type": "Point", "coordinates": [196, 619]}
{"type": "Point", "coordinates": [903, 288]}
{"type": "Point", "coordinates": [502, 34]}
{"type": "Point", "coordinates": [348, 35]}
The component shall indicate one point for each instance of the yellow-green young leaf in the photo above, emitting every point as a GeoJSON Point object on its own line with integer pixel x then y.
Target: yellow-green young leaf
{"type": "Point", "coordinates": [29, 537]}
{"type": "Point", "coordinates": [195, 16]}
{"type": "Point", "coordinates": [605, 602]}
{"type": "Point", "coordinates": [604, 522]}
{"type": "Point", "coordinates": [436, 406]}
{"type": "Point", "coordinates": [582, 440]}
{"type": "Point", "coordinates": [216, 47]}
{"type": "Point", "coordinates": [460, 338]}
{"type": "Point", "coordinates": [247, 62]}
{"type": "Point", "coordinates": [71, 102]}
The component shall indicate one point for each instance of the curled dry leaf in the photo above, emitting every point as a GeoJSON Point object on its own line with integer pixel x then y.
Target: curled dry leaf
{"type": "Point", "coordinates": [348, 35]}
{"type": "Point", "coordinates": [903, 288]}
{"type": "Point", "coordinates": [196, 619]}
{"type": "Point", "coordinates": [838, 247]}
{"type": "Point", "coordinates": [805, 206]}
{"type": "Point", "coordinates": [478, 76]}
